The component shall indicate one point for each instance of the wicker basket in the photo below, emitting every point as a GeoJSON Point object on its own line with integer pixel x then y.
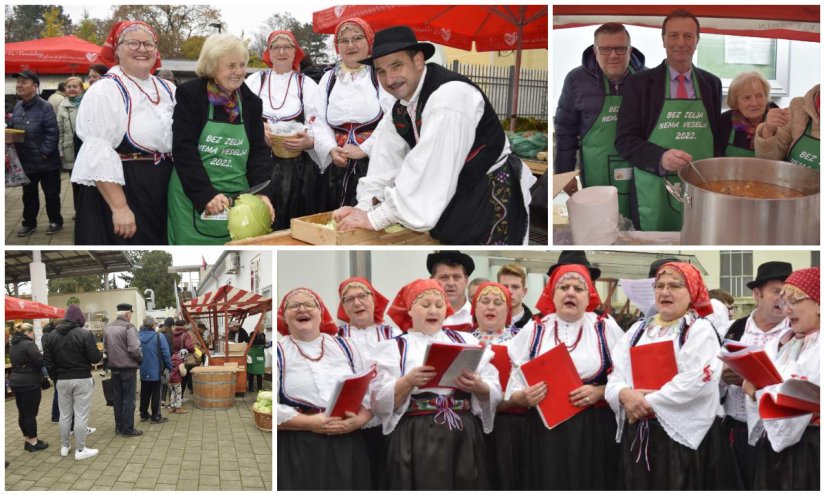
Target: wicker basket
{"type": "Point", "coordinates": [278, 146]}
{"type": "Point", "coordinates": [262, 420]}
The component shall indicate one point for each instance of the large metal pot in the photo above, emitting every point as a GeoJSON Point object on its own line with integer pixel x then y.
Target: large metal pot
{"type": "Point", "coordinates": [715, 218]}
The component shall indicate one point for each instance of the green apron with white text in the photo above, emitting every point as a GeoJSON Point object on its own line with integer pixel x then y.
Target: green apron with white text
{"type": "Point", "coordinates": [805, 151]}
{"type": "Point", "coordinates": [224, 150]}
{"type": "Point", "coordinates": [683, 124]}
{"type": "Point", "coordinates": [735, 151]}
{"type": "Point", "coordinates": [601, 162]}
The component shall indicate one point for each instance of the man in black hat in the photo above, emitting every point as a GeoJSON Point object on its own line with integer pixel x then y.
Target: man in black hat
{"type": "Point", "coordinates": [122, 345]}
{"type": "Point", "coordinates": [38, 153]}
{"type": "Point", "coordinates": [441, 162]}
{"type": "Point", "coordinates": [452, 270]}
{"type": "Point", "coordinates": [766, 323]}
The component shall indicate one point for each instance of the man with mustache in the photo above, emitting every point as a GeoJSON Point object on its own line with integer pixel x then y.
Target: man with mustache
{"type": "Point", "coordinates": [668, 118]}
{"type": "Point", "coordinates": [441, 162]}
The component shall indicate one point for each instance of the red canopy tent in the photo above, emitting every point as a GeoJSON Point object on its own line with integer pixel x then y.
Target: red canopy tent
{"type": "Point", "coordinates": [490, 27]}
{"type": "Point", "coordinates": [22, 309]}
{"type": "Point", "coordinates": [790, 22]}
{"type": "Point", "coordinates": [61, 55]}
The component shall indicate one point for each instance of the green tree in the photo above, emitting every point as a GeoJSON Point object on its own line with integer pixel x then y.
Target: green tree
{"type": "Point", "coordinates": [82, 283]}
{"type": "Point", "coordinates": [53, 27]}
{"type": "Point", "coordinates": [312, 43]}
{"type": "Point", "coordinates": [27, 22]}
{"type": "Point", "coordinates": [173, 23]}
{"type": "Point", "coordinates": [89, 29]}
{"type": "Point", "coordinates": [191, 48]}
{"type": "Point", "coordinates": [154, 274]}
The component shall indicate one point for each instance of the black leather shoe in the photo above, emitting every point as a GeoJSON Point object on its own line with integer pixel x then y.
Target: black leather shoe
{"type": "Point", "coordinates": [117, 431]}
{"type": "Point", "coordinates": [40, 445]}
{"type": "Point", "coordinates": [25, 231]}
{"type": "Point", "coordinates": [54, 228]}
{"type": "Point", "coordinates": [159, 419]}
{"type": "Point", "coordinates": [133, 433]}
{"type": "Point", "coordinates": [144, 419]}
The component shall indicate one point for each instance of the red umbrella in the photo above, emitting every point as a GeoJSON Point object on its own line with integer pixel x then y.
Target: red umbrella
{"type": "Point", "coordinates": [490, 27]}
{"type": "Point", "coordinates": [20, 309]}
{"type": "Point", "coordinates": [62, 55]}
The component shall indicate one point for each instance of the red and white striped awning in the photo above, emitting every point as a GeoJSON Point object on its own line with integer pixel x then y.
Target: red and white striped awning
{"type": "Point", "coordinates": [228, 299]}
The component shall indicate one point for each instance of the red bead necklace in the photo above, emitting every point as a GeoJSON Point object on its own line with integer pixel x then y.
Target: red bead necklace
{"type": "Point", "coordinates": [301, 352]}
{"type": "Point", "coordinates": [286, 93]}
{"type": "Point", "coordinates": [155, 84]}
{"type": "Point", "coordinates": [556, 336]}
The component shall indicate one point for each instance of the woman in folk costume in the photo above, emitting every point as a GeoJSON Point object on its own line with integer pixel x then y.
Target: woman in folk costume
{"type": "Point", "coordinates": [435, 434]}
{"type": "Point", "coordinates": [673, 438]}
{"type": "Point", "coordinates": [353, 100]}
{"type": "Point", "coordinates": [125, 123]}
{"type": "Point", "coordinates": [492, 319]}
{"type": "Point", "coordinates": [787, 449]}
{"type": "Point", "coordinates": [288, 96]}
{"type": "Point", "coordinates": [580, 453]}
{"type": "Point", "coordinates": [316, 452]}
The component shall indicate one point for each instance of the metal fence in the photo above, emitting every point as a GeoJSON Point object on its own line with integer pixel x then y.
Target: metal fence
{"type": "Point", "coordinates": [497, 83]}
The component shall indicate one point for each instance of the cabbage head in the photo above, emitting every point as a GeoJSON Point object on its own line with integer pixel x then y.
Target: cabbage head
{"type": "Point", "coordinates": [248, 218]}
{"type": "Point", "coordinates": [265, 395]}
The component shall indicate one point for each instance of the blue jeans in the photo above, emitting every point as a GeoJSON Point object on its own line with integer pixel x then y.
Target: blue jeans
{"type": "Point", "coordinates": [124, 386]}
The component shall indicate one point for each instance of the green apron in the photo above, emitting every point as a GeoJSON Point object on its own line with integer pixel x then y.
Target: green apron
{"type": "Point", "coordinates": [224, 150]}
{"type": "Point", "coordinates": [735, 151]}
{"type": "Point", "coordinates": [805, 151]}
{"type": "Point", "coordinates": [255, 360]}
{"type": "Point", "coordinates": [683, 124]}
{"type": "Point", "coordinates": [601, 162]}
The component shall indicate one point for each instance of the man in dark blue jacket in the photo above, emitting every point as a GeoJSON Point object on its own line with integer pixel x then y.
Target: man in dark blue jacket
{"type": "Point", "coordinates": [156, 358]}
{"type": "Point", "coordinates": [38, 153]}
{"type": "Point", "coordinates": [586, 114]}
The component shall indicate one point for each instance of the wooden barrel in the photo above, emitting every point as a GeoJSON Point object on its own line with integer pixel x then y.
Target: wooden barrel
{"type": "Point", "coordinates": [214, 387]}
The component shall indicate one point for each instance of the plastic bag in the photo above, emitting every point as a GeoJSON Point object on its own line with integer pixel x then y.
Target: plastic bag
{"type": "Point", "coordinates": [15, 176]}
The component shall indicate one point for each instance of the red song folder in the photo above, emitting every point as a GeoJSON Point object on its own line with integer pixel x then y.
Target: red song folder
{"type": "Point", "coordinates": [449, 360]}
{"type": "Point", "coordinates": [556, 369]}
{"type": "Point", "coordinates": [752, 364]}
{"type": "Point", "coordinates": [792, 398]}
{"type": "Point", "coordinates": [349, 392]}
{"type": "Point", "coordinates": [502, 362]}
{"type": "Point", "coordinates": [653, 365]}
{"type": "Point", "coordinates": [733, 345]}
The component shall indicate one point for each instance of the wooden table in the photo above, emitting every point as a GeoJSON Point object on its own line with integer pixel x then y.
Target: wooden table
{"type": "Point", "coordinates": [537, 167]}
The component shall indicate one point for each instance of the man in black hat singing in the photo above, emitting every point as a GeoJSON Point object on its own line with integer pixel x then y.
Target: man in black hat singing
{"type": "Point", "coordinates": [452, 270]}
{"type": "Point", "coordinates": [441, 162]}
{"type": "Point", "coordinates": [122, 345]}
{"type": "Point", "coordinates": [765, 323]}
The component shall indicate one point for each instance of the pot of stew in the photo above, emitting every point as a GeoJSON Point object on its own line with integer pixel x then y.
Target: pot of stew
{"type": "Point", "coordinates": [748, 201]}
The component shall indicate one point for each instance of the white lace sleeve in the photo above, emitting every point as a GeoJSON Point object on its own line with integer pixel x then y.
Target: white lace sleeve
{"type": "Point", "coordinates": [315, 116]}
{"type": "Point", "coordinates": [385, 162]}
{"type": "Point", "coordinates": [101, 124]}
{"type": "Point", "coordinates": [486, 408]}
{"type": "Point", "coordinates": [382, 388]}
{"type": "Point", "coordinates": [519, 350]}
{"type": "Point", "coordinates": [620, 378]}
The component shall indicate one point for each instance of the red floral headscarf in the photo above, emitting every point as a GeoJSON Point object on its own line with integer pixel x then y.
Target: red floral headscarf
{"type": "Point", "coordinates": [361, 23]}
{"type": "Point", "coordinates": [545, 303]}
{"type": "Point", "coordinates": [495, 288]}
{"type": "Point", "coordinates": [400, 307]}
{"type": "Point", "coordinates": [106, 56]}
{"type": "Point", "coordinates": [327, 323]}
{"type": "Point", "coordinates": [807, 281]}
{"type": "Point", "coordinates": [380, 301]}
{"type": "Point", "coordinates": [299, 54]}
{"type": "Point", "coordinates": [699, 299]}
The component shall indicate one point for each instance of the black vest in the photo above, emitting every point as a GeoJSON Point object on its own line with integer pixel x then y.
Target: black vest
{"type": "Point", "coordinates": [736, 329]}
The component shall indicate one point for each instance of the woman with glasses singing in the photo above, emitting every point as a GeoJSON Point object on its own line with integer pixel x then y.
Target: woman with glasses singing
{"type": "Point", "coordinates": [353, 100]}
{"type": "Point", "coordinates": [124, 164]}
{"type": "Point", "coordinates": [316, 452]}
{"type": "Point", "coordinates": [289, 96]}
{"type": "Point", "coordinates": [672, 437]}
{"type": "Point", "coordinates": [787, 449]}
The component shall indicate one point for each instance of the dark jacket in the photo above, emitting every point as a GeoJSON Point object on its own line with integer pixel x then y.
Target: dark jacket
{"type": "Point", "coordinates": [525, 318]}
{"type": "Point", "coordinates": [240, 336]}
{"type": "Point", "coordinates": [181, 340]}
{"type": "Point", "coordinates": [167, 334]}
{"type": "Point", "coordinates": [189, 118]}
{"type": "Point", "coordinates": [122, 345]}
{"type": "Point", "coordinates": [644, 96]}
{"type": "Point", "coordinates": [152, 364]}
{"type": "Point", "coordinates": [740, 139]}
{"type": "Point", "coordinates": [580, 103]}
{"type": "Point", "coordinates": [69, 351]}
{"type": "Point", "coordinates": [38, 152]}
{"type": "Point", "coordinates": [26, 363]}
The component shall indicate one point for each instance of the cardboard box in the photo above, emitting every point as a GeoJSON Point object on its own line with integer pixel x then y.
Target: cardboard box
{"type": "Point", "coordinates": [236, 349]}
{"type": "Point", "coordinates": [315, 229]}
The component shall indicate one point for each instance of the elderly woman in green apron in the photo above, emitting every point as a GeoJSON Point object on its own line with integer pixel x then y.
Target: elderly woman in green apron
{"type": "Point", "coordinates": [792, 134]}
{"type": "Point", "coordinates": [748, 99]}
{"type": "Point", "coordinates": [218, 145]}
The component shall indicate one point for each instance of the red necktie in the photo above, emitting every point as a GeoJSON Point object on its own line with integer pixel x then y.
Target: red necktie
{"type": "Point", "coordinates": [681, 90]}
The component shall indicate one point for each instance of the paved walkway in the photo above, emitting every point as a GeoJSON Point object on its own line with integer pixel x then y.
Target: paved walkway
{"type": "Point", "coordinates": [14, 217]}
{"type": "Point", "coordinates": [202, 450]}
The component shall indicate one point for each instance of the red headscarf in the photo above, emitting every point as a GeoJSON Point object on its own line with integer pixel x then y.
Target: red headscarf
{"type": "Point", "coordinates": [380, 301]}
{"type": "Point", "coordinates": [327, 323]}
{"type": "Point", "coordinates": [699, 299]}
{"type": "Point", "coordinates": [106, 56]}
{"type": "Point", "coordinates": [399, 310]}
{"type": "Point", "coordinates": [299, 54]}
{"type": "Point", "coordinates": [806, 280]}
{"type": "Point", "coordinates": [505, 292]}
{"type": "Point", "coordinates": [364, 25]}
{"type": "Point", "coordinates": [545, 303]}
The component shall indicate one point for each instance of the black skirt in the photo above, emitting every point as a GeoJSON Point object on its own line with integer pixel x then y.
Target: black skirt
{"type": "Point", "coordinates": [339, 184]}
{"type": "Point", "coordinates": [425, 455]}
{"type": "Point", "coordinates": [146, 190]}
{"type": "Point", "coordinates": [745, 455]}
{"type": "Point", "coordinates": [505, 451]}
{"type": "Point", "coordinates": [377, 452]}
{"type": "Point", "coordinates": [308, 461]}
{"type": "Point", "coordinates": [579, 454]}
{"type": "Point", "coordinates": [673, 466]}
{"type": "Point", "coordinates": [795, 468]}
{"type": "Point", "coordinates": [295, 189]}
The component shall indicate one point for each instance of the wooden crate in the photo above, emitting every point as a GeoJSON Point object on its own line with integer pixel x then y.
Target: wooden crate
{"type": "Point", "coordinates": [313, 229]}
